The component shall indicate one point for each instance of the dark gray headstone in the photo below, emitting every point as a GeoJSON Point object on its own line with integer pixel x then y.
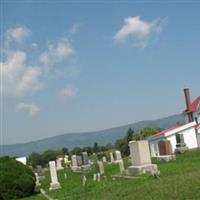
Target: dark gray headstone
{"type": "Point", "coordinates": [79, 160]}
{"type": "Point", "coordinates": [85, 158]}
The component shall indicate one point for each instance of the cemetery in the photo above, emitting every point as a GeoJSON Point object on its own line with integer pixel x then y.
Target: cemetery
{"type": "Point", "coordinates": [145, 165]}
{"type": "Point", "coordinates": [95, 100]}
{"type": "Point", "coordinates": [178, 179]}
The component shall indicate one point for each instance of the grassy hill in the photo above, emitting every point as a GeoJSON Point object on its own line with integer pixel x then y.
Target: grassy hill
{"type": "Point", "coordinates": [178, 180]}
{"type": "Point", "coordinates": [83, 139]}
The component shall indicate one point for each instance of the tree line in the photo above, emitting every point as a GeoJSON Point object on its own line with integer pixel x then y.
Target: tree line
{"type": "Point", "coordinates": [43, 159]}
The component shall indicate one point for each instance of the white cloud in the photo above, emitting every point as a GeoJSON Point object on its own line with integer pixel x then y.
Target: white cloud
{"type": "Point", "coordinates": [18, 34]}
{"type": "Point", "coordinates": [56, 53]}
{"type": "Point", "coordinates": [69, 91]}
{"type": "Point", "coordinates": [34, 45]}
{"type": "Point", "coordinates": [24, 74]}
{"type": "Point", "coordinates": [19, 79]}
{"type": "Point", "coordinates": [139, 30]}
{"type": "Point", "coordinates": [32, 109]}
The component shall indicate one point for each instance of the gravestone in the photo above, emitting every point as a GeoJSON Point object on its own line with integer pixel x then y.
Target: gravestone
{"type": "Point", "coordinates": [111, 157]}
{"type": "Point", "coordinates": [74, 161]}
{"type": "Point", "coordinates": [39, 170]}
{"type": "Point", "coordinates": [85, 158]}
{"type": "Point", "coordinates": [165, 147]}
{"type": "Point", "coordinates": [104, 159]}
{"type": "Point", "coordinates": [66, 160]}
{"type": "Point", "coordinates": [79, 160]}
{"type": "Point", "coordinates": [118, 155]}
{"type": "Point", "coordinates": [59, 164]}
{"type": "Point", "coordinates": [165, 151]}
{"type": "Point", "coordinates": [54, 179]}
{"type": "Point", "coordinates": [94, 177]}
{"type": "Point", "coordinates": [141, 159]}
{"type": "Point", "coordinates": [84, 181]}
{"type": "Point", "coordinates": [100, 167]}
{"type": "Point", "coordinates": [98, 177]}
{"type": "Point", "coordinates": [37, 180]}
{"type": "Point", "coordinates": [74, 165]}
{"type": "Point", "coordinates": [121, 167]}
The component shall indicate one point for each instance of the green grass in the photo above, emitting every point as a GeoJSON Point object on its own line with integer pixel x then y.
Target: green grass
{"type": "Point", "coordinates": [179, 180]}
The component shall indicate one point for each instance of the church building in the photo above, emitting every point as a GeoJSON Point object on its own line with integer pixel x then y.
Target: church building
{"type": "Point", "coordinates": [185, 136]}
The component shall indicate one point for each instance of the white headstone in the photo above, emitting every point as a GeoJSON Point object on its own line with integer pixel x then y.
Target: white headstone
{"type": "Point", "coordinates": [111, 157]}
{"type": "Point", "coordinates": [85, 158]}
{"type": "Point", "coordinates": [37, 180]}
{"type": "Point", "coordinates": [118, 155]}
{"type": "Point", "coordinates": [101, 167]}
{"type": "Point", "coordinates": [104, 159]}
{"type": "Point", "coordinates": [66, 159]}
{"type": "Point", "coordinates": [59, 164]}
{"type": "Point", "coordinates": [54, 179]}
{"type": "Point", "coordinates": [141, 159]}
{"type": "Point", "coordinates": [98, 177]}
{"type": "Point", "coordinates": [84, 181]}
{"type": "Point", "coordinates": [94, 177]}
{"type": "Point", "coordinates": [121, 166]}
{"type": "Point", "coordinates": [139, 151]}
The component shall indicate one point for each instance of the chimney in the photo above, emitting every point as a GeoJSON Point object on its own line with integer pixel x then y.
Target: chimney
{"type": "Point", "coordinates": [187, 98]}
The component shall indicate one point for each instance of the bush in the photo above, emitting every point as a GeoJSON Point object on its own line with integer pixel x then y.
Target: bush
{"type": "Point", "coordinates": [16, 180]}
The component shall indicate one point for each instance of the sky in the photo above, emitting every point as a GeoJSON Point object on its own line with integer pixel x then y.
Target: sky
{"type": "Point", "coordinates": [77, 66]}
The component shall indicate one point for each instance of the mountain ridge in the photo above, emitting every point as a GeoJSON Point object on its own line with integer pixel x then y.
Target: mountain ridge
{"type": "Point", "coordinates": [70, 140]}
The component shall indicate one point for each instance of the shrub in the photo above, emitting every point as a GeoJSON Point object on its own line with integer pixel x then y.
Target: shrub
{"type": "Point", "coordinates": [16, 180]}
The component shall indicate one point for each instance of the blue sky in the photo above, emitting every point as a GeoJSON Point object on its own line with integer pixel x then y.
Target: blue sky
{"type": "Point", "coordinates": [85, 66]}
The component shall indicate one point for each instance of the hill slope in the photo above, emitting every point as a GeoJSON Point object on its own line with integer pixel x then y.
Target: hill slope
{"type": "Point", "coordinates": [71, 140]}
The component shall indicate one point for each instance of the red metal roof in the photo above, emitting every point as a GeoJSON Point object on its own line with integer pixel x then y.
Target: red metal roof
{"type": "Point", "coordinates": [162, 133]}
{"type": "Point", "coordinates": [193, 106]}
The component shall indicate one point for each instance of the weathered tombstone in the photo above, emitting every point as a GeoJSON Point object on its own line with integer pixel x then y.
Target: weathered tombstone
{"type": "Point", "coordinates": [79, 160]}
{"type": "Point", "coordinates": [84, 181]}
{"type": "Point", "coordinates": [74, 162]}
{"type": "Point", "coordinates": [118, 155]}
{"type": "Point", "coordinates": [94, 177]}
{"type": "Point", "coordinates": [39, 170]}
{"type": "Point", "coordinates": [121, 166]}
{"type": "Point", "coordinates": [66, 159]}
{"type": "Point", "coordinates": [104, 159]}
{"type": "Point", "coordinates": [165, 151]}
{"type": "Point", "coordinates": [54, 179]}
{"type": "Point", "coordinates": [59, 164]}
{"type": "Point", "coordinates": [141, 159]}
{"type": "Point", "coordinates": [165, 147]}
{"type": "Point", "coordinates": [111, 157]}
{"type": "Point", "coordinates": [85, 158]}
{"type": "Point", "coordinates": [100, 167]}
{"type": "Point", "coordinates": [37, 180]}
{"type": "Point", "coordinates": [65, 175]}
{"type": "Point", "coordinates": [98, 177]}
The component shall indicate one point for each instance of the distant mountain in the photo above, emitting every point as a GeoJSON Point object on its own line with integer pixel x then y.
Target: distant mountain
{"type": "Point", "coordinates": [70, 140]}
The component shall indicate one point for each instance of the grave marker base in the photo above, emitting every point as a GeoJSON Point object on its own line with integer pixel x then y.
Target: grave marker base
{"type": "Point", "coordinates": [143, 169]}
{"type": "Point", "coordinates": [166, 158]}
{"type": "Point", "coordinates": [54, 186]}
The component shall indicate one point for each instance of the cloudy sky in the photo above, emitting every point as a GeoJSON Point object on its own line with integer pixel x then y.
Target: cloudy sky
{"type": "Point", "coordinates": [85, 66]}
